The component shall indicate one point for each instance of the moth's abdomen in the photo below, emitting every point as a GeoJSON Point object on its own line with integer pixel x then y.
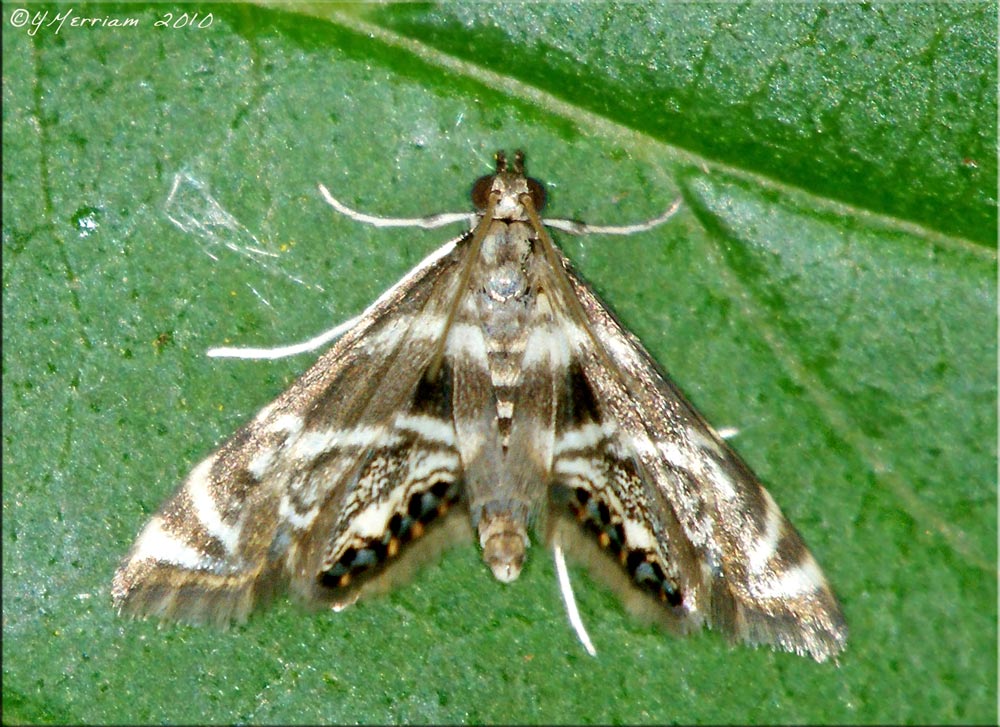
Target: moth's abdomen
{"type": "Point", "coordinates": [504, 539]}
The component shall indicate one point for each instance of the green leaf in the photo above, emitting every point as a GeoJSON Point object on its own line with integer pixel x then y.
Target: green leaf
{"type": "Point", "coordinates": [828, 289]}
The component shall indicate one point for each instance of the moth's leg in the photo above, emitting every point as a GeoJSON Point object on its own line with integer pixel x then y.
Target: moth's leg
{"type": "Point", "coordinates": [566, 588]}
{"type": "Point", "coordinates": [263, 354]}
{"type": "Point", "coordinates": [337, 331]}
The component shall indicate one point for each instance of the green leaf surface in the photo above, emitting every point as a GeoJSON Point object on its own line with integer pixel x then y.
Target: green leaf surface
{"type": "Point", "coordinates": [827, 289]}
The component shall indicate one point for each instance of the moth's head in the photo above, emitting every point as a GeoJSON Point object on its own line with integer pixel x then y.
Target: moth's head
{"type": "Point", "coordinates": [509, 186]}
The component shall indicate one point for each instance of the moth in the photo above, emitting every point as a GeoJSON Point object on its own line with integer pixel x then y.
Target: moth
{"type": "Point", "coordinates": [489, 388]}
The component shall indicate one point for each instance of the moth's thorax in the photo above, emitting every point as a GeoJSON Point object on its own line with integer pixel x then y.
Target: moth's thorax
{"type": "Point", "coordinates": [503, 261]}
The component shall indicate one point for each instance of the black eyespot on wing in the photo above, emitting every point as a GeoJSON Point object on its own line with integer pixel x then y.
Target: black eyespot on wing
{"type": "Point", "coordinates": [421, 510]}
{"type": "Point", "coordinates": [642, 566]}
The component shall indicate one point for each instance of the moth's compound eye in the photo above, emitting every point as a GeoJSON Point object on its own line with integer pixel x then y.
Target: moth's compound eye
{"type": "Point", "coordinates": [537, 192]}
{"type": "Point", "coordinates": [481, 192]}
